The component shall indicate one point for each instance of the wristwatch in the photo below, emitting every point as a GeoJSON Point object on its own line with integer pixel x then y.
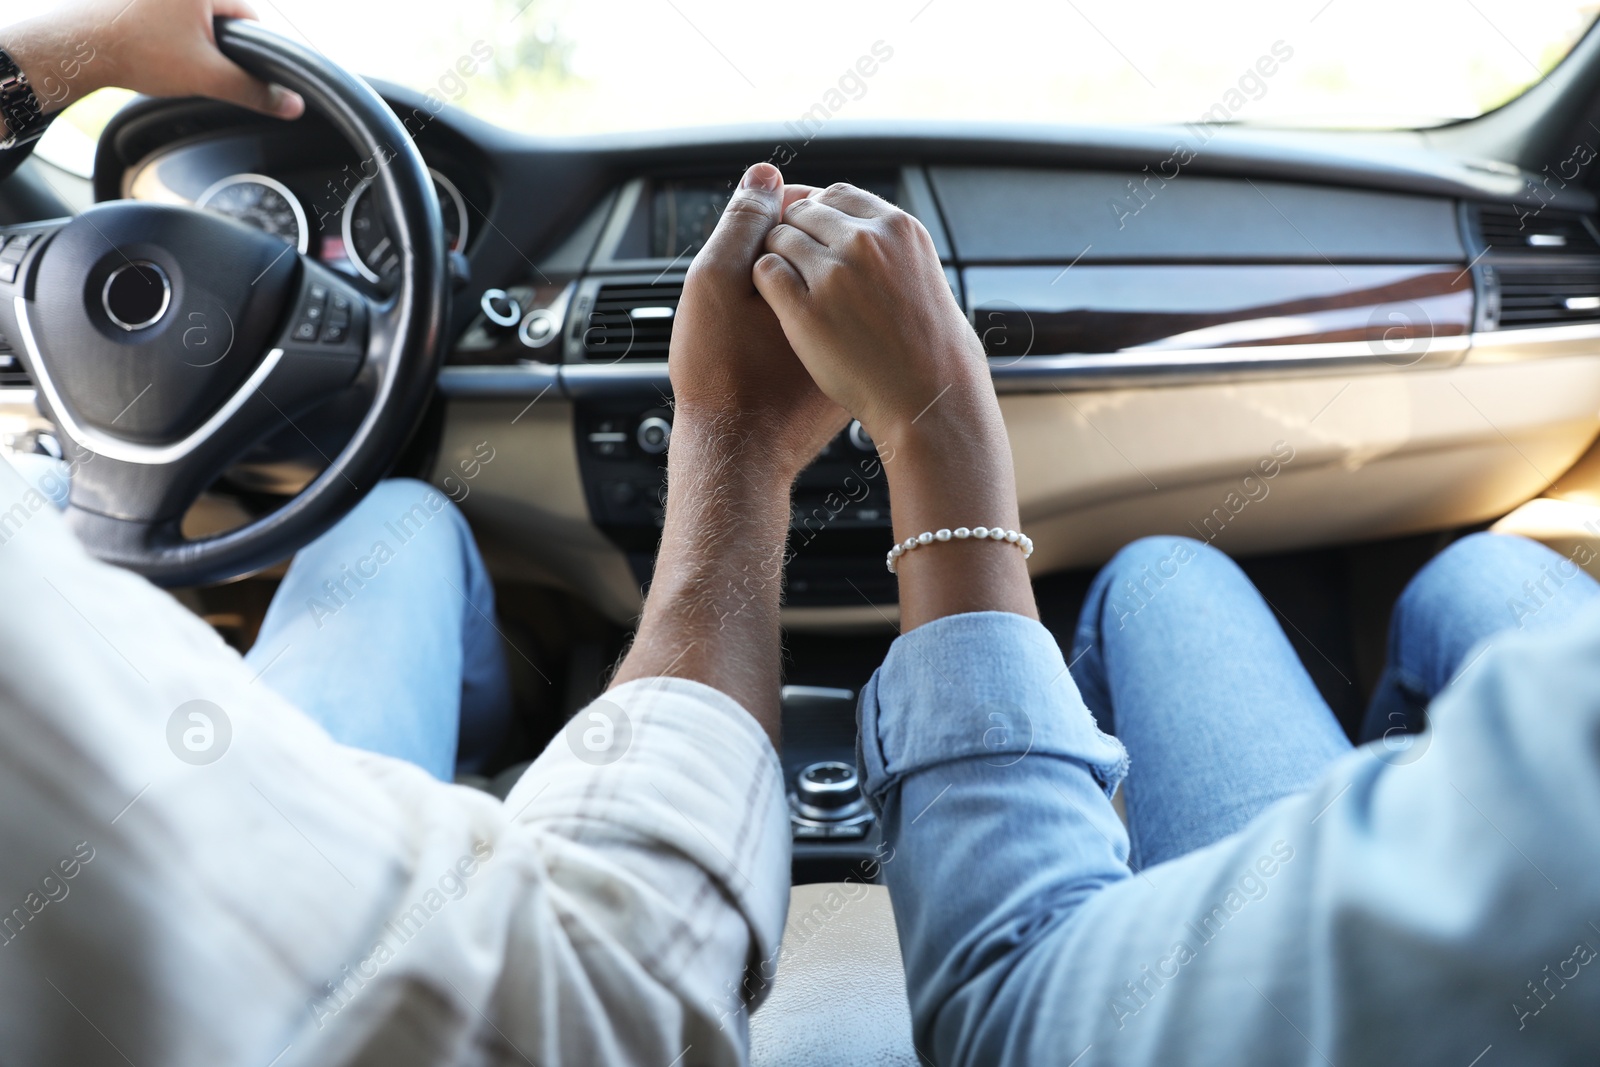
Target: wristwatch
{"type": "Point", "coordinates": [24, 117]}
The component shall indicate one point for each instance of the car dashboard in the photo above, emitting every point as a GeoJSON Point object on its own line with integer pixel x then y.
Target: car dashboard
{"type": "Point", "coordinates": [1266, 340]}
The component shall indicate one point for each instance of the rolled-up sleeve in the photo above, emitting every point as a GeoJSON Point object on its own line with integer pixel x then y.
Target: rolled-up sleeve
{"type": "Point", "coordinates": [977, 749]}
{"type": "Point", "coordinates": [333, 905]}
{"type": "Point", "coordinates": [1423, 909]}
{"type": "Point", "coordinates": [692, 814]}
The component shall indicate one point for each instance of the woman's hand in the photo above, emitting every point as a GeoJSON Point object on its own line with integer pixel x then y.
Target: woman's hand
{"type": "Point", "coordinates": [156, 47]}
{"type": "Point", "coordinates": [862, 297]}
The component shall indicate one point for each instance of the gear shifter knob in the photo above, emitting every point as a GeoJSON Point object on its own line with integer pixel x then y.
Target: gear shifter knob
{"type": "Point", "coordinates": [828, 792]}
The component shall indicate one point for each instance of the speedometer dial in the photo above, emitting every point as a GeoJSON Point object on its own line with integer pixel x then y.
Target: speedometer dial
{"type": "Point", "coordinates": [367, 240]}
{"type": "Point", "coordinates": [259, 201]}
{"type": "Point", "coordinates": [366, 232]}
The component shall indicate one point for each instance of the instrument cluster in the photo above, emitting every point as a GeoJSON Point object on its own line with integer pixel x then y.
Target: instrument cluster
{"type": "Point", "coordinates": [304, 189]}
{"type": "Point", "coordinates": [357, 241]}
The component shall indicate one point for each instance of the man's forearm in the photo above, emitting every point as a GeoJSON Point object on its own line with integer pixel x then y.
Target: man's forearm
{"type": "Point", "coordinates": [57, 55]}
{"type": "Point", "coordinates": [712, 612]}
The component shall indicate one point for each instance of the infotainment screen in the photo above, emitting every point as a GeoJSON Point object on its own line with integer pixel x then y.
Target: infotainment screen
{"type": "Point", "coordinates": [684, 212]}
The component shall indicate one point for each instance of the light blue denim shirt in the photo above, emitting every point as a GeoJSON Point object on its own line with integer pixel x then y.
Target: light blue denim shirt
{"type": "Point", "coordinates": [1441, 908]}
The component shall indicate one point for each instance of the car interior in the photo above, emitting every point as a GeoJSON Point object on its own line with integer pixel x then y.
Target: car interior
{"type": "Point", "coordinates": [1327, 351]}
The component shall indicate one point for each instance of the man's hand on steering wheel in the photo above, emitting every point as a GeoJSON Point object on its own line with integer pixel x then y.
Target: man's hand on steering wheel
{"type": "Point", "coordinates": [733, 372]}
{"type": "Point", "coordinates": [104, 302]}
{"type": "Point", "coordinates": [155, 47]}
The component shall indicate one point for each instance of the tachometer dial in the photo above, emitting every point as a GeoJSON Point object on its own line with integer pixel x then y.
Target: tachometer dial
{"type": "Point", "coordinates": [366, 232]}
{"type": "Point", "coordinates": [259, 201]}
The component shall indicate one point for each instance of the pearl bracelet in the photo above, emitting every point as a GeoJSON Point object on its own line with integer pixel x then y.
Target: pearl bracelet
{"type": "Point", "coordinates": [983, 533]}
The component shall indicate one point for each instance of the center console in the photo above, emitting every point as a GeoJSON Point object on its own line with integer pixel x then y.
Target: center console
{"type": "Point", "coordinates": [603, 309]}
{"type": "Point", "coordinates": [598, 316]}
{"type": "Point", "coordinates": [839, 519]}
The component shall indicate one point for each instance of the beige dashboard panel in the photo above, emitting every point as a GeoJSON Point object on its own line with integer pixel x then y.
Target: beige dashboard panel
{"type": "Point", "coordinates": [1570, 527]}
{"type": "Point", "coordinates": [1355, 458]}
{"type": "Point", "coordinates": [1351, 458]}
{"type": "Point", "coordinates": [526, 503]}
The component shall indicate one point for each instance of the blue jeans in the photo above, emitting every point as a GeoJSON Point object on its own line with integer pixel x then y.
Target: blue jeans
{"type": "Point", "coordinates": [383, 631]}
{"type": "Point", "coordinates": [1178, 655]}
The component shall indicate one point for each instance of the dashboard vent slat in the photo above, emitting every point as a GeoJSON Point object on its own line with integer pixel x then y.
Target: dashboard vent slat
{"type": "Point", "coordinates": [1530, 296]}
{"type": "Point", "coordinates": [631, 321]}
{"type": "Point", "coordinates": [1508, 229]}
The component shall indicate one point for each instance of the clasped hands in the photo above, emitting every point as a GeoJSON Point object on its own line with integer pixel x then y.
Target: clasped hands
{"type": "Point", "coordinates": [808, 306]}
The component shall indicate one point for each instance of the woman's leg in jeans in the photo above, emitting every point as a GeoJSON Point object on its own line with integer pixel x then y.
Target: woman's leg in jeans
{"type": "Point", "coordinates": [383, 632]}
{"type": "Point", "coordinates": [1481, 586]}
{"type": "Point", "coordinates": [1178, 655]}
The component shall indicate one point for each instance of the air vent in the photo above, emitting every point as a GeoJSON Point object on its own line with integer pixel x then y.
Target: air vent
{"type": "Point", "coordinates": [1534, 297]}
{"type": "Point", "coordinates": [631, 321]}
{"type": "Point", "coordinates": [12, 373]}
{"type": "Point", "coordinates": [1508, 228]}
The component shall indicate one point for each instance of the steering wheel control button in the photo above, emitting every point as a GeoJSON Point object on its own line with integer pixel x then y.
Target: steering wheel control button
{"type": "Point", "coordinates": [136, 295]}
{"type": "Point", "coordinates": [13, 250]}
{"type": "Point", "coordinates": [653, 435]}
{"type": "Point", "coordinates": [328, 315]}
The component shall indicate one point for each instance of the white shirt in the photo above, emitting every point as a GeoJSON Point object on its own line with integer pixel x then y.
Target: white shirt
{"type": "Point", "coordinates": [296, 901]}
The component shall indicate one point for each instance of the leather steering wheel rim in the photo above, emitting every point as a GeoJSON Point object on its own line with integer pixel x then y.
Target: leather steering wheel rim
{"type": "Point", "coordinates": [398, 359]}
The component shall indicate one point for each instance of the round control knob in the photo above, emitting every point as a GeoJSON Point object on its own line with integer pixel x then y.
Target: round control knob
{"type": "Point", "coordinates": [500, 308]}
{"type": "Point", "coordinates": [653, 435]}
{"type": "Point", "coordinates": [859, 438]}
{"type": "Point", "coordinates": [828, 792]}
{"type": "Point", "coordinates": [538, 329]}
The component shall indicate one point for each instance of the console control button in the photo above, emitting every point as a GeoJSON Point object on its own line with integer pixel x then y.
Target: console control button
{"type": "Point", "coordinates": [653, 435]}
{"type": "Point", "coordinates": [828, 792]}
{"type": "Point", "coordinates": [608, 439]}
{"type": "Point", "coordinates": [500, 308]}
{"type": "Point", "coordinates": [859, 438]}
{"type": "Point", "coordinates": [538, 329]}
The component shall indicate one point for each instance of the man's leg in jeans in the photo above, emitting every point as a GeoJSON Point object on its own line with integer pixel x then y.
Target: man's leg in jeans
{"type": "Point", "coordinates": [383, 632]}
{"type": "Point", "coordinates": [1481, 586]}
{"type": "Point", "coordinates": [1178, 655]}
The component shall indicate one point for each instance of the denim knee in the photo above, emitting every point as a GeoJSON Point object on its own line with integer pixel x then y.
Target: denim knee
{"type": "Point", "coordinates": [1129, 581]}
{"type": "Point", "coordinates": [1480, 566]}
{"type": "Point", "coordinates": [394, 498]}
{"type": "Point", "coordinates": [1144, 570]}
{"type": "Point", "coordinates": [395, 512]}
{"type": "Point", "coordinates": [1480, 586]}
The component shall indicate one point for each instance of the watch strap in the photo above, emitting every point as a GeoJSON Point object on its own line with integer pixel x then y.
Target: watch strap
{"type": "Point", "coordinates": [19, 106]}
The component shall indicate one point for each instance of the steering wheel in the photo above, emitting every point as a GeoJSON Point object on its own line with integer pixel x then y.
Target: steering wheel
{"type": "Point", "coordinates": [164, 341]}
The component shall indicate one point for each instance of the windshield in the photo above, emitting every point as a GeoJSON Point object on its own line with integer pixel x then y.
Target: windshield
{"type": "Point", "coordinates": [576, 66]}
{"type": "Point", "coordinates": [591, 66]}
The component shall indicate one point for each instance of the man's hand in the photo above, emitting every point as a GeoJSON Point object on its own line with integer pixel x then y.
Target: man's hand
{"type": "Point", "coordinates": [747, 418]}
{"type": "Point", "coordinates": [157, 47]}
{"type": "Point", "coordinates": [862, 297]}
{"type": "Point", "coordinates": [730, 363]}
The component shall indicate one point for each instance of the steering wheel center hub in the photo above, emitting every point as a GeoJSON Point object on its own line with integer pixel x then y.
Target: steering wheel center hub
{"type": "Point", "coordinates": [148, 316]}
{"type": "Point", "coordinates": [136, 295]}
